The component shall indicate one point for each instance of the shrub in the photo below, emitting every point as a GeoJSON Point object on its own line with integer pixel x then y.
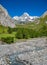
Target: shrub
{"type": "Point", "coordinates": [19, 34]}
{"type": "Point", "coordinates": [8, 40]}
{"type": "Point", "coordinates": [10, 30]}
{"type": "Point", "coordinates": [22, 33]}
{"type": "Point", "coordinates": [26, 34]}
{"type": "Point", "coordinates": [43, 30]}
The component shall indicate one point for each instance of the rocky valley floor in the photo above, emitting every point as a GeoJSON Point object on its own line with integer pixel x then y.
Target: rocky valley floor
{"type": "Point", "coordinates": [30, 52]}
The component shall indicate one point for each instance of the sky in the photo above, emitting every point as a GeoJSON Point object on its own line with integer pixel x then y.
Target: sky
{"type": "Point", "coordinates": [18, 7]}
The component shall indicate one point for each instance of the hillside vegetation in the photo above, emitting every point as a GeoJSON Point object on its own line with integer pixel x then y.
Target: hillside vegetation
{"type": "Point", "coordinates": [24, 31]}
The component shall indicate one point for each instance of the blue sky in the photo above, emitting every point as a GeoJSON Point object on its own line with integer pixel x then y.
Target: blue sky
{"type": "Point", "coordinates": [18, 7]}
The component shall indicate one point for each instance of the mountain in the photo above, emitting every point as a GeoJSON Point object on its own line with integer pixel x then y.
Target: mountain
{"type": "Point", "coordinates": [5, 19]}
{"type": "Point", "coordinates": [25, 18]}
{"type": "Point", "coordinates": [44, 14]}
{"type": "Point", "coordinates": [43, 17]}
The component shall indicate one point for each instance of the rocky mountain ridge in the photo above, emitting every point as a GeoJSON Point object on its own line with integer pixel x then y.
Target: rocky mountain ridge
{"type": "Point", "coordinates": [5, 19]}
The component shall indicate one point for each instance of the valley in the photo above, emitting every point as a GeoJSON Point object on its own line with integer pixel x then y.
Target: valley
{"type": "Point", "coordinates": [23, 39]}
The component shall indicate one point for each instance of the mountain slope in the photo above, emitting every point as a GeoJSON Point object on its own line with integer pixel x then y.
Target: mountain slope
{"type": "Point", "coordinates": [44, 14]}
{"type": "Point", "coordinates": [5, 19]}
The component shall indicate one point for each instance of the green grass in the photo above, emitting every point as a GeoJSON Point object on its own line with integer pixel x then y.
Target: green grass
{"type": "Point", "coordinates": [7, 35]}
{"type": "Point", "coordinates": [3, 29]}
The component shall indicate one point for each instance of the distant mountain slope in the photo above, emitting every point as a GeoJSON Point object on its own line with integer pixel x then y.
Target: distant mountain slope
{"type": "Point", "coordinates": [5, 19]}
{"type": "Point", "coordinates": [26, 18]}
{"type": "Point", "coordinates": [43, 17]}
{"type": "Point", "coordinates": [44, 14]}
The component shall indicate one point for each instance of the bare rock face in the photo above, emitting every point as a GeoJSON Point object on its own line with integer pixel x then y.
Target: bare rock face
{"type": "Point", "coordinates": [5, 19]}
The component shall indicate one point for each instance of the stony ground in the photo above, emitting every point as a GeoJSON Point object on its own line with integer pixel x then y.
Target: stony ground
{"type": "Point", "coordinates": [31, 52]}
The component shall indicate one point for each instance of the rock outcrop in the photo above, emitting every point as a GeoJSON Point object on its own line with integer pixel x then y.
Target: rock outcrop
{"type": "Point", "coordinates": [31, 52]}
{"type": "Point", "coordinates": [5, 19]}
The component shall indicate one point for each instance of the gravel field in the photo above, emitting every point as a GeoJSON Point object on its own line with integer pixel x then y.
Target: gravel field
{"type": "Point", "coordinates": [30, 52]}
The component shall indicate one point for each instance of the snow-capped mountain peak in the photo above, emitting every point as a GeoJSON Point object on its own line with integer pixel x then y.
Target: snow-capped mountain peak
{"type": "Point", "coordinates": [25, 17]}
{"type": "Point", "coordinates": [25, 14]}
